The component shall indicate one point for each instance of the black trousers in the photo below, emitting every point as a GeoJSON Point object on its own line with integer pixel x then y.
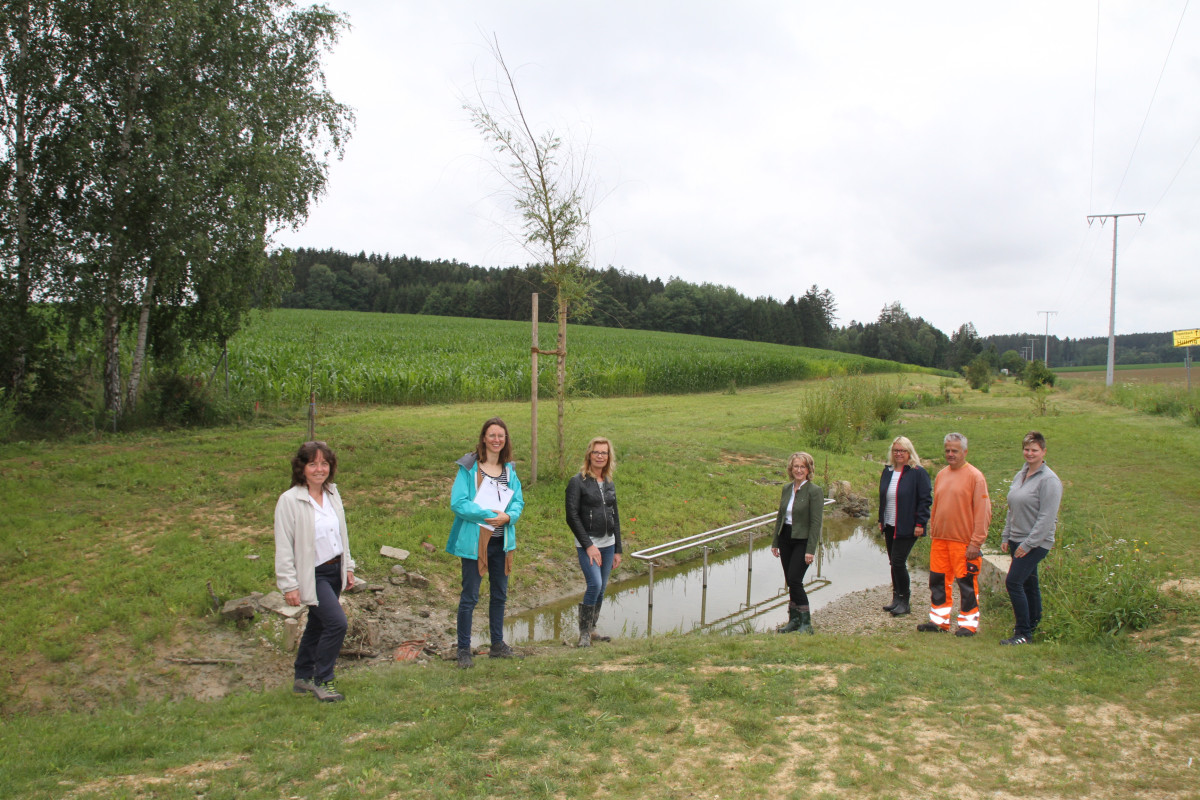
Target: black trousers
{"type": "Point", "coordinates": [326, 628]}
{"type": "Point", "coordinates": [791, 557]}
{"type": "Point", "coordinates": [898, 548]}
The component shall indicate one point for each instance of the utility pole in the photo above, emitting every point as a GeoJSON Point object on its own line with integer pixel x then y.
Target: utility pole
{"type": "Point", "coordinates": [1112, 302]}
{"type": "Point", "coordinates": [1047, 349]}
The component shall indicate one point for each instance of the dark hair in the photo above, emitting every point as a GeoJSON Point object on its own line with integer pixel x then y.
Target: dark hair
{"type": "Point", "coordinates": [1034, 437]}
{"type": "Point", "coordinates": [481, 445]}
{"type": "Point", "coordinates": [306, 454]}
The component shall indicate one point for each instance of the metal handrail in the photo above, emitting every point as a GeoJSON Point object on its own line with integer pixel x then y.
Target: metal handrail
{"type": "Point", "coordinates": [649, 553]}
{"type": "Point", "coordinates": [748, 526]}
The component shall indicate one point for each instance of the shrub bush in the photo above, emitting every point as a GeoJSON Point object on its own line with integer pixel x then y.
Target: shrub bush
{"type": "Point", "coordinates": [979, 373]}
{"type": "Point", "coordinates": [844, 410]}
{"type": "Point", "coordinates": [1037, 374]}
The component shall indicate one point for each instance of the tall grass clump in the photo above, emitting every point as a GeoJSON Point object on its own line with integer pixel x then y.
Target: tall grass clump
{"type": "Point", "coordinates": [1095, 586]}
{"type": "Point", "coordinates": [1159, 399]}
{"type": "Point", "coordinates": [843, 410]}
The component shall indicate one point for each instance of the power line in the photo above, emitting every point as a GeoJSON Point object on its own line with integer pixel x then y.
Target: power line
{"type": "Point", "coordinates": [1153, 95]}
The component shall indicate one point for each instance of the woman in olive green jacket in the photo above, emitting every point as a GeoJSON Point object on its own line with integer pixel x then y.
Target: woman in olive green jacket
{"type": "Point", "coordinates": [797, 535]}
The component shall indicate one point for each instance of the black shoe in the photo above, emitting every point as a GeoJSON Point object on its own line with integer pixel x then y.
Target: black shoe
{"type": "Point", "coordinates": [901, 608]}
{"type": "Point", "coordinates": [1016, 640]}
{"type": "Point", "coordinates": [502, 650]}
{"type": "Point", "coordinates": [964, 632]}
{"type": "Point", "coordinates": [464, 658]}
{"type": "Point", "coordinates": [930, 627]}
{"type": "Point", "coordinates": [891, 605]}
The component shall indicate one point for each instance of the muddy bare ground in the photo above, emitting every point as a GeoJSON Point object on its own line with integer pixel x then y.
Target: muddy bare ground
{"type": "Point", "coordinates": [209, 658]}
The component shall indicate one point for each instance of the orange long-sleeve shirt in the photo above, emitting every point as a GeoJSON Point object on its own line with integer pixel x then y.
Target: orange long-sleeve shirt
{"type": "Point", "coordinates": [962, 509]}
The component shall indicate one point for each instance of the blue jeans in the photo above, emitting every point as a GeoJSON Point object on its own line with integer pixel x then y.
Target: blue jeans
{"type": "Point", "coordinates": [497, 584]}
{"type": "Point", "coordinates": [595, 575]}
{"type": "Point", "coordinates": [325, 630]}
{"type": "Point", "coordinates": [1023, 589]}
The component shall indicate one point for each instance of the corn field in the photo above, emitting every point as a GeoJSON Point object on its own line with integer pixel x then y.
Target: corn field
{"type": "Point", "coordinates": [355, 357]}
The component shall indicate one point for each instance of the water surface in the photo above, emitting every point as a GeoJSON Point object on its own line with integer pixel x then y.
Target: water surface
{"type": "Point", "coordinates": [745, 589]}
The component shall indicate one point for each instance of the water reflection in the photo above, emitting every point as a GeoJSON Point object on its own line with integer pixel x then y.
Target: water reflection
{"type": "Point", "coordinates": [745, 590]}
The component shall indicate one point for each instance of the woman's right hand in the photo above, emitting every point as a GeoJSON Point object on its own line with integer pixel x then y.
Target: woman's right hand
{"type": "Point", "coordinates": [593, 554]}
{"type": "Point", "coordinates": [1004, 545]}
{"type": "Point", "coordinates": [292, 598]}
{"type": "Point", "coordinates": [775, 552]}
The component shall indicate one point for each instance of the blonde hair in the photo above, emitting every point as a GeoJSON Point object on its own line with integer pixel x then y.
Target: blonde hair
{"type": "Point", "coordinates": [904, 442]}
{"type": "Point", "coordinates": [606, 473]}
{"type": "Point", "coordinates": [806, 460]}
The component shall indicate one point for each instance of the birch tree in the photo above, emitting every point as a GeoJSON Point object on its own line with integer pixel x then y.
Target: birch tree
{"type": "Point", "coordinates": [547, 185]}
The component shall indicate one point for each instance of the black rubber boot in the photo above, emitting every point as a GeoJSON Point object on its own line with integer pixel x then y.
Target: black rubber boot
{"type": "Point", "coordinates": [805, 623]}
{"type": "Point", "coordinates": [901, 608]}
{"type": "Point", "coordinates": [891, 605]}
{"type": "Point", "coordinates": [587, 617]}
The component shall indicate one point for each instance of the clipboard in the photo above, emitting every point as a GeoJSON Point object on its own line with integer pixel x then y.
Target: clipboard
{"type": "Point", "coordinates": [494, 496]}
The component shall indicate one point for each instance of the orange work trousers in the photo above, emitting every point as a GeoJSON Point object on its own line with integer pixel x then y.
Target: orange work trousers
{"type": "Point", "coordinates": [948, 564]}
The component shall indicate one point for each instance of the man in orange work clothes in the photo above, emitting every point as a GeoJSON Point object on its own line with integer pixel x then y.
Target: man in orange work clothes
{"type": "Point", "coordinates": [958, 526]}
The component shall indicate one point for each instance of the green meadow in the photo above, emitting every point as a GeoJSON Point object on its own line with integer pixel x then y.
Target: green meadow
{"type": "Point", "coordinates": [113, 539]}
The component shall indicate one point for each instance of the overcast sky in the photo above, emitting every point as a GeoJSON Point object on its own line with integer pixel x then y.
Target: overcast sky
{"type": "Point", "coordinates": [940, 154]}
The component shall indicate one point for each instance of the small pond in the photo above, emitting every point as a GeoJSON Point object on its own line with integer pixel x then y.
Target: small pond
{"type": "Point", "coordinates": [745, 590]}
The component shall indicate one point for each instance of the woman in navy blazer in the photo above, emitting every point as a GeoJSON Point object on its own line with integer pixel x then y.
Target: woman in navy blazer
{"type": "Point", "coordinates": [905, 495]}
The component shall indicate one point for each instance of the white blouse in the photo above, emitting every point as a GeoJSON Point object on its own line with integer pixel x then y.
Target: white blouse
{"type": "Point", "coordinates": [787, 518]}
{"type": "Point", "coordinates": [328, 534]}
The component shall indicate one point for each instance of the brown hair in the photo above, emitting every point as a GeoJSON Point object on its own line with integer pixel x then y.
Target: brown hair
{"type": "Point", "coordinates": [481, 445]}
{"type": "Point", "coordinates": [308, 453]}
{"type": "Point", "coordinates": [1034, 437]}
{"type": "Point", "coordinates": [606, 473]}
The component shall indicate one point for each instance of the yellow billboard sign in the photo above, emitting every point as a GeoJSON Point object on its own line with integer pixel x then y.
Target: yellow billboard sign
{"type": "Point", "coordinates": [1187, 338]}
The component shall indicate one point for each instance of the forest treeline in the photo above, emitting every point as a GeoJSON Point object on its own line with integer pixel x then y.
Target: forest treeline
{"type": "Point", "coordinates": [331, 279]}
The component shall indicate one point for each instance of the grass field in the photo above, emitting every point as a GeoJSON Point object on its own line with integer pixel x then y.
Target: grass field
{"type": "Point", "coordinates": [352, 357]}
{"type": "Point", "coordinates": [1133, 373]}
{"type": "Point", "coordinates": [111, 541]}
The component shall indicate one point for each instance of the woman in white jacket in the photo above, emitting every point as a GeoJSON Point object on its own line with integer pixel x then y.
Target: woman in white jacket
{"type": "Point", "coordinates": [313, 565]}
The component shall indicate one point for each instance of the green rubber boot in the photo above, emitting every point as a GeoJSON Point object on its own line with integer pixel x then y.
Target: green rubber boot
{"type": "Point", "coordinates": [805, 625]}
{"type": "Point", "coordinates": [793, 623]}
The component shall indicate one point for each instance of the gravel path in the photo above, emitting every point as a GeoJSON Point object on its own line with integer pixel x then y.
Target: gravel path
{"type": "Point", "coordinates": [862, 612]}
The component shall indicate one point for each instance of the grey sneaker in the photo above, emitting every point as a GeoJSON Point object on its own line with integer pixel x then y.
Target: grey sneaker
{"type": "Point", "coordinates": [327, 693]}
{"type": "Point", "coordinates": [502, 650]}
{"type": "Point", "coordinates": [304, 686]}
{"type": "Point", "coordinates": [464, 658]}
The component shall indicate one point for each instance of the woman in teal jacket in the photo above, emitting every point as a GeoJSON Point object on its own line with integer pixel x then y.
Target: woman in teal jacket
{"type": "Point", "coordinates": [797, 535]}
{"type": "Point", "coordinates": [486, 501]}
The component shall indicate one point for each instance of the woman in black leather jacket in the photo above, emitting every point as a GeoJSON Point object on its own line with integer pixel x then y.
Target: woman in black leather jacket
{"type": "Point", "coordinates": [594, 519]}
